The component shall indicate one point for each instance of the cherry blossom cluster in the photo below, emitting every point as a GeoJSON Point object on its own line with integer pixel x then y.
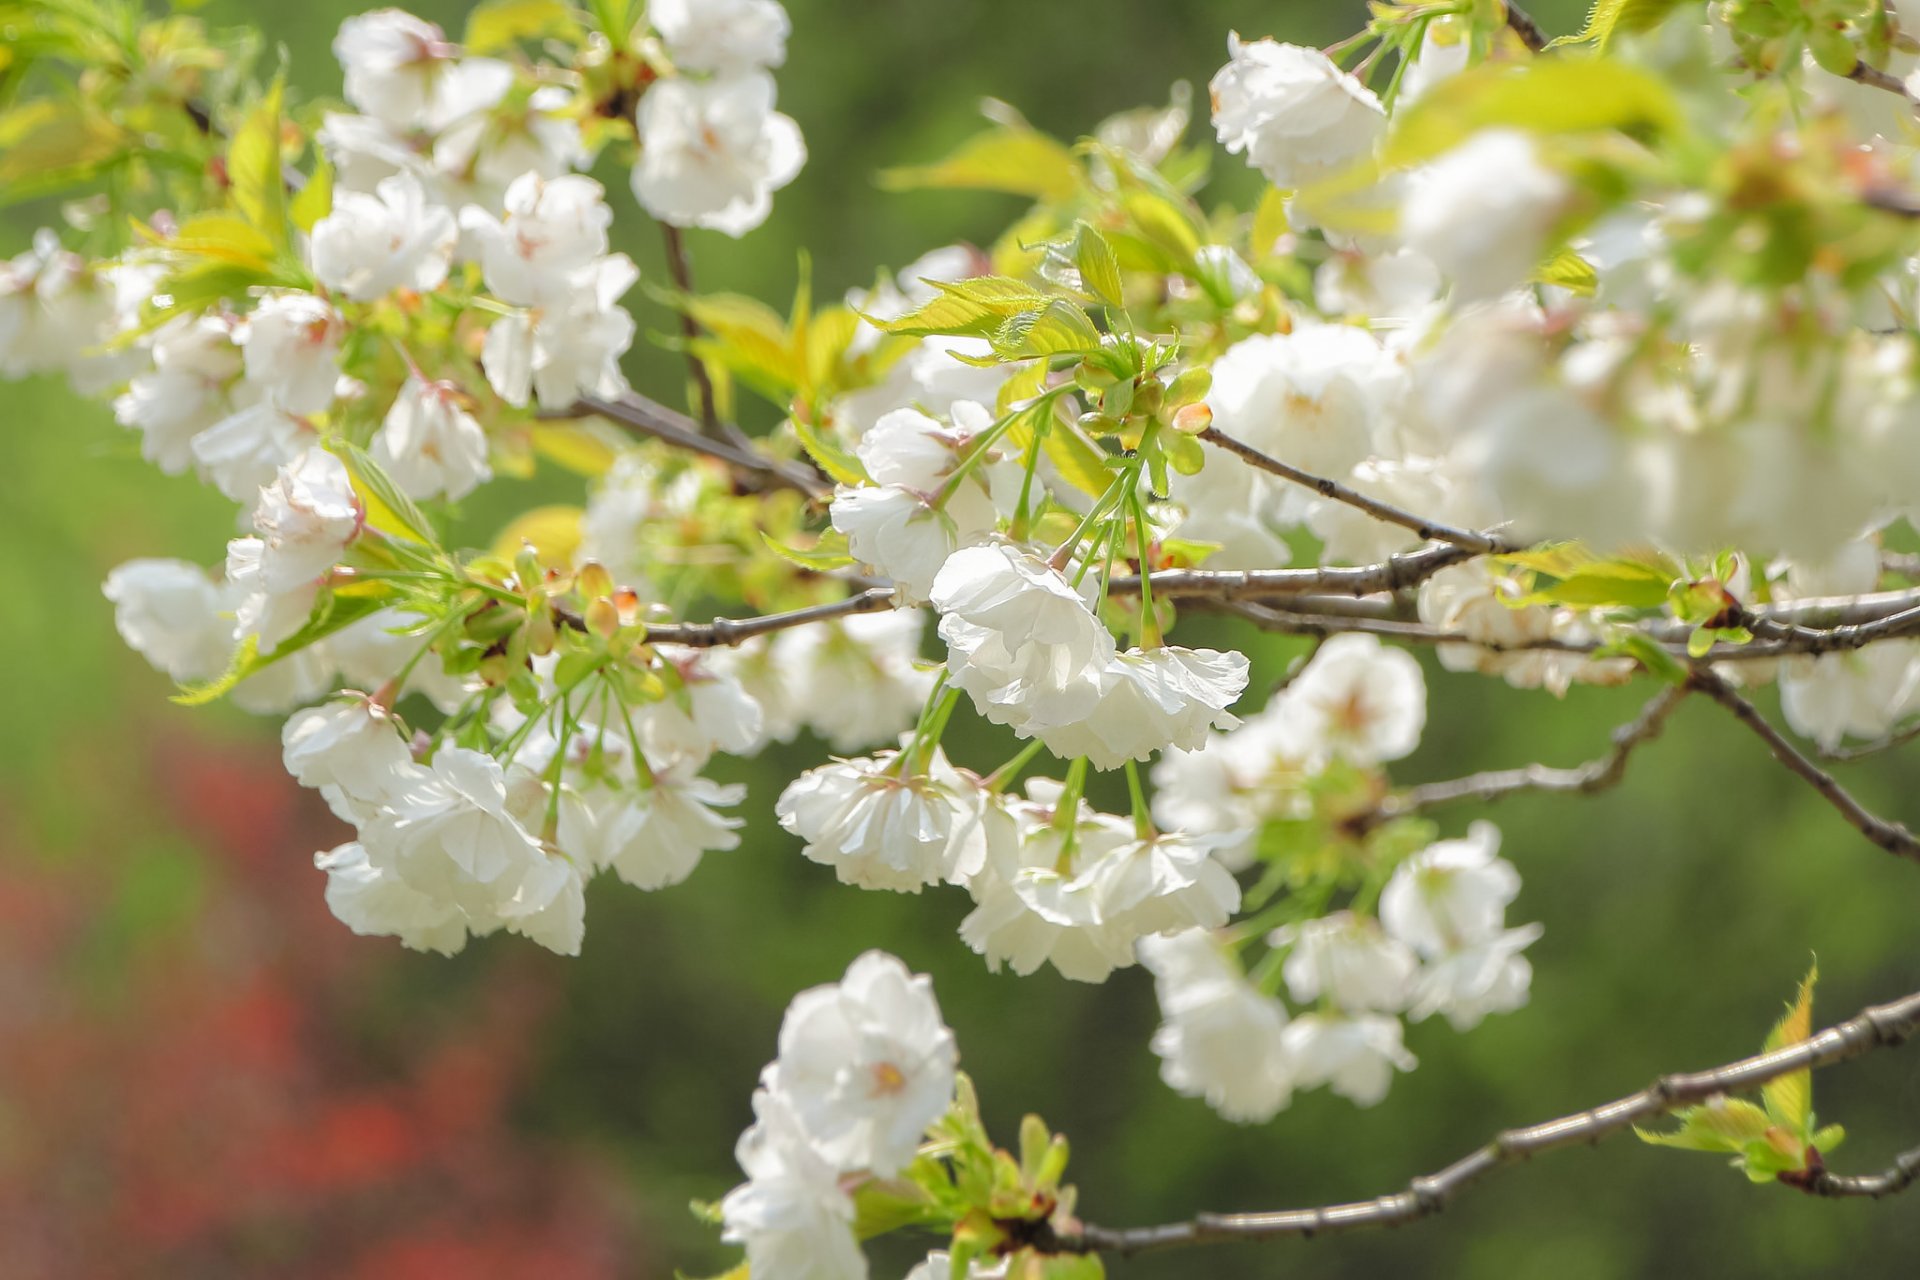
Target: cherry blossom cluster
{"type": "Point", "coordinates": [1582, 367]}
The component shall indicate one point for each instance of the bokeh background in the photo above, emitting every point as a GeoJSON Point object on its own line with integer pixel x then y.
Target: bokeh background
{"type": "Point", "coordinates": [202, 1075]}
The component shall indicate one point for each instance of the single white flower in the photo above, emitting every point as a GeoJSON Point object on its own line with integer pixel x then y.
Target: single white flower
{"type": "Point", "coordinates": [722, 35]}
{"type": "Point", "coordinates": [392, 61]}
{"type": "Point", "coordinates": [1349, 960]}
{"type": "Point", "coordinates": [1150, 700]}
{"type": "Point", "coordinates": [365, 151]}
{"type": "Point", "coordinates": [1321, 397]}
{"type": "Point", "coordinates": [170, 613]}
{"type": "Point", "coordinates": [1295, 115]}
{"type": "Point", "coordinates": [195, 359]}
{"type": "Point", "coordinates": [306, 518]}
{"type": "Point", "coordinates": [897, 532]}
{"type": "Point", "coordinates": [1029, 911]}
{"type": "Point", "coordinates": [1450, 895]}
{"type": "Point", "coordinates": [560, 353]}
{"type": "Point", "coordinates": [377, 903]}
{"type": "Point", "coordinates": [450, 831]}
{"type": "Point", "coordinates": [1021, 640]}
{"type": "Point", "coordinates": [881, 827]}
{"type": "Point", "coordinates": [352, 744]}
{"type": "Point", "coordinates": [291, 345]}
{"type": "Point", "coordinates": [710, 712]}
{"type": "Point", "coordinates": [1366, 702]}
{"type": "Point", "coordinates": [1218, 1039]}
{"type": "Point", "coordinates": [242, 452]}
{"type": "Point", "coordinates": [1863, 693]}
{"type": "Point", "coordinates": [791, 1214]}
{"type": "Point", "coordinates": [1164, 882]}
{"type": "Point", "coordinates": [857, 682]}
{"type": "Point", "coordinates": [1354, 1056]}
{"type": "Point", "coordinates": [656, 838]}
{"type": "Point", "coordinates": [712, 154]}
{"type": "Point", "coordinates": [429, 444]}
{"type": "Point", "coordinates": [551, 228]}
{"type": "Point", "coordinates": [267, 605]}
{"type": "Point", "coordinates": [395, 238]}
{"type": "Point", "coordinates": [494, 137]}
{"type": "Point", "coordinates": [866, 1064]}
{"type": "Point", "coordinates": [1237, 782]}
{"type": "Point", "coordinates": [1468, 984]}
{"type": "Point", "coordinates": [1482, 212]}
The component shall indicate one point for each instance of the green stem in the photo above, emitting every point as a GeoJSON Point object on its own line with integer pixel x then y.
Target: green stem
{"type": "Point", "coordinates": [997, 781]}
{"type": "Point", "coordinates": [1142, 815]}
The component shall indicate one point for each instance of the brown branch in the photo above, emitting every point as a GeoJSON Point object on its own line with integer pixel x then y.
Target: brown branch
{"type": "Point", "coordinates": [1432, 530]}
{"type": "Point", "coordinates": [1875, 78]}
{"type": "Point", "coordinates": [1882, 1026]}
{"type": "Point", "coordinates": [1903, 1173]}
{"type": "Point", "coordinates": [1392, 574]}
{"type": "Point", "coordinates": [1595, 775]}
{"type": "Point", "coordinates": [1526, 28]}
{"type": "Point", "coordinates": [651, 418]}
{"type": "Point", "coordinates": [1891, 836]}
{"type": "Point", "coordinates": [680, 266]}
{"type": "Point", "coordinates": [724, 632]}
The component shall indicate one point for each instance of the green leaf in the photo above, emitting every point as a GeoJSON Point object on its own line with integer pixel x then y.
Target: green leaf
{"type": "Point", "coordinates": [834, 459]}
{"type": "Point", "coordinates": [1722, 1124]}
{"type": "Point", "coordinates": [1060, 328]}
{"type": "Point", "coordinates": [501, 24]}
{"type": "Point", "coordinates": [1017, 160]}
{"type": "Point", "coordinates": [578, 447]}
{"type": "Point", "coordinates": [1540, 95]}
{"type": "Point", "coordinates": [1079, 461]}
{"type": "Point", "coordinates": [314, 201]}
{"type": "Point", "coordinates": [1608, 18]}
{"type": "Point", "coordinates": [388, 509]}
{"type": "Point", "coordinates": [48, 145]}
{"type": "Point", "coordinates": [968, 308]}
{"type": "Point", "coordinates": [253, 168]}
{"type": "Point", "coordinates": [1649, 653]}
{"type": "Point", "coordinates": [1789, 1098]}
{"type": "Point", "coordinates": [1099, 269]}
{"type": "Point", "coordinates": [1569, 271]}
{"type": "Point", "coordinates": [828, 552]}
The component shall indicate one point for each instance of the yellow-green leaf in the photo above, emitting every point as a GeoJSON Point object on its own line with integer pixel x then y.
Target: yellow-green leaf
{"type": "Point", "coordinates": [970, 308]}
{"type": "Point", "coordinates": [835, 460]}
{"type": "Point", "coordinates": [1608, 18]}
{"type": "Point", "coordinates": [1058, 328]}
{"type": "Point", "coordinates": [552, 531]}
{"type": "Point", "coordinates": [1017, 160]}
{"type": "Point", "coordinates": [1542, 95]}
{"type": "Point", "coordinates": [828, 552]}
{"type": "Point", "coordinates": [253, 168]}
{"type": "Point", "coordinates": [1569, 271]}
{"type": "Point", "coordinates": [314, 201]}
{"type": "Point", "coordinates": [579, 447]}
{"type": "Point", "coordinates": [500, 24]}
{"type": "Point", "coordinates": [1098, 268]}
{"type": "Point", "coordinates": [388, 509]}
{"type": "Point", "coordinates": [198, 695]}
{"type": "Point", "coordinates": [1789, 1098]}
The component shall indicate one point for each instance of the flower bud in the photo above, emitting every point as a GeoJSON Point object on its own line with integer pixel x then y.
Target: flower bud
{"type": "Point", "coordinates": [1193, 418]}
{"type": "Point", "coordinates": [593, 580]}
{"type": "Point", "coordinates": [1190, 387]}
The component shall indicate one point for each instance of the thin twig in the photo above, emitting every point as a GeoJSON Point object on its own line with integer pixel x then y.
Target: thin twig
{"type": "Point", "coordinates": [1891, 836]}
{"type": "Point", "coordinates": [680, 266]}
{"type": "Point", "coordinates": [1595, 775]}
{"type": "Point", "coordinates": [1875, 78]}
{"type": "Point", "coordinates": [1903, 1173]}
{"type": "Point", "coordinates": [724, 632]}
{"type": "Point", "coordinates": [1481, 544]}
{"type": "Point", "coordinates": [1526, 28]}
{"type": "Point", "coordinates": [651, 418]}
{"type": "Point", "coordinates": [1882, 1026]}
{"type": "Point", "coordinates": [1392, 574]}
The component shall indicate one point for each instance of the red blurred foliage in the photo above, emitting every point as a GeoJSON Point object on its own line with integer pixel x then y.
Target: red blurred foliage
{"type": "Point", "coordinates": [230, 1084]}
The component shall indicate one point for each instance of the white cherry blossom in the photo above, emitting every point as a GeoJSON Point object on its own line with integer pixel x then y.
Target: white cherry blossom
{"type": "Point", "coordinates": [550, 229]}
{"type": "Point", "coordinates": [1355, 1055]}
{"type": "Point", "coordinates": [722, 35]}
{"type": "Point", "coordinates": [791, 1213]}
{"type": "Point", "coordinates": [1218, 1039]}
{"type": "Point", "coordinates": [429, 443]}
{"type": "Point", "coordinates": [712, 154]}
{"type": "Point", "coordinates": [1482, 212]}
{"type": "Point", "coordinates": [306, 518]}
{"type": "Point", "coordinates": [352, 744]}
{"type": "Point", "coordinates": [1452, 894]}
{"type": "Point", "coordinates": [395, 238]}
{"type": "Point", "coordinates": [1295, 115]}
{"type": "Point", "coordinates": [377, 903]}
{"type": "Point", "coordinates": [392, 61]}
{"type": "Point", "coordinates": [291, 345]}
{"type": "Point", "coordinates": [1486, 977]}
{"type": "Point", "coordinates": [195, 360]}
{"type": "Point", "coordinates": [1365, 701]}
{"type": "Point", "coordinates": [866, 1064]}
{"type": "Point", "coordinates": [1349, 960]}
{"type": "Point", "coordinates": [882, 826]}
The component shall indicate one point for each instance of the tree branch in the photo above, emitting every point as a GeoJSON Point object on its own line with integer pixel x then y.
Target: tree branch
{"type": "Point", "coordinates": [1878, 1027]}
{"type": "Point", "coordinates": [723, 632]}
{"type": "Point", "coordinates": [1891, 836]}
{"type": "Point", "coordinates": [1903, 1173]}
{"type": "Point", "coordinates": [680, 266]}
{"type": "Point", "coordinates": [1392, 574]}
{"type": "Point", "coordinates": [1846, 755]}
{"type": "Point", "coordinates": [651, 418]}
{"type": "Point", "coordinates": [1595, 775]}
{"type": "Point", "coordinates": [1431, 530]}
{"type": "Point", "coordinates": [1526, 28]}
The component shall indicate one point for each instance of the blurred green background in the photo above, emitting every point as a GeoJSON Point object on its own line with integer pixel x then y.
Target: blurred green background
{"type": "Point", "coordinates": [1680, 908]}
